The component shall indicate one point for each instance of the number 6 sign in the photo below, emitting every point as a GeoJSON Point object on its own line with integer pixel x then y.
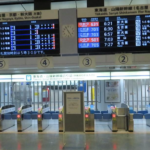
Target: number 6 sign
{"type": "Point", "coordinates": [4, 64]}
{"type": "Point", "coordinates": [45, 62]}
{"type": "Point", "coordinates": [123, 59]}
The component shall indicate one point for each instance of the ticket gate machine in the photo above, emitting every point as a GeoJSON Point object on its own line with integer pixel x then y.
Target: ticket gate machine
{"type": "Point", "coordinates": [121, 119]}
{"type": "Point", "coordinates": [148, 121]}
{"type": "Point", "coordinates": [43, 118]}
{"type": "Point", "coordinates": [147, 116]}
{"type": "Point", "coordinates": [24, 119]}
{"type": "Point", "coordinates": [89, 121]}
{"type": "Point", "coordinates": [6, 120]}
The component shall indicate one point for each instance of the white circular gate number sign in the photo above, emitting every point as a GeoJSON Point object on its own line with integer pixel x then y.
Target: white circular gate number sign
{"type": "Point", "coordinates": [123, 59]}
{"type": "Point", "coordinates": [45, 62]}
{"type": "Point", "coordinates": [87, 62]}
{"type": "Point", "coordinates": [4, 64]}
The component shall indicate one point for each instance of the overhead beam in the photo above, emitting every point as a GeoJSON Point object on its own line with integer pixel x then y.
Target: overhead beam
{"type": "Point", "coordinates": [95, 3]}
{"type": "Point", "coordinates": [42, 4]}
{"type": "Point", "coordinates": [17, 2]}
{"type": "Point", "coordinates": [31, 2]}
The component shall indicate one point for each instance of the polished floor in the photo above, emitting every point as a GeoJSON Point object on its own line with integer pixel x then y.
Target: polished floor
{"type": "Point", "coordinates": [102, 139]}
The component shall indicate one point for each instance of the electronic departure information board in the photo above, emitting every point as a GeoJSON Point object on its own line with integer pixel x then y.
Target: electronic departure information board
{"type": "Point", "coordinates": [26, 38]}
{"type": "Point", "coordinates": [114, 34]}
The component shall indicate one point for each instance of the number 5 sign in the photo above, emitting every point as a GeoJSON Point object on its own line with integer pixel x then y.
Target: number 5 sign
{"type": "Point", "coordinates": [123, 59]}
{"type": "Point", "coordinates": [45, 62]}
{"type": "Point", "coordinates": [87, 62]}
{"type": "Point", "coordinates": [4, 64]}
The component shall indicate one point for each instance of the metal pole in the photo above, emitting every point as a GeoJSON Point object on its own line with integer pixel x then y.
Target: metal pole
{"type": "Point", "coordinates": [96, 93]}
{"type": "Point", "coordinates": [145, 91]}
{"type": "Point", "coordinates": [141, 97]}
{"type": "Point", "coordinates": [58, 92]}
{"type": "Point", "coordinates": [128, 94]}
{"type": "Point", "coordinates": [41, 88]}
{"type": "Point", "coordinates": [50, 94]}
{"type": "Point", "coordinates": [132, 95]}
{"type": "Point", "coordinates": [54, 93]}
{"type": "Point", "coordinates": [137, 95]}
{"type": "Point", "coordinates": [4, 92]}
{"type": "Point", "coordinates": [87, 92]}
{"type": "Point", "coordinates": [62, 91]}
{"type": "Point", "coordinates": [70, 85]}
{"type": "Point", "coordinates": [33, 85]}
{"type": "Point", "coordinates": [38, 94]}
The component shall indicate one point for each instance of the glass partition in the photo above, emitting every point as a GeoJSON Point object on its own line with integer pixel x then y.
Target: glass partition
{"type": "Point", "coordinates": [40, 89]}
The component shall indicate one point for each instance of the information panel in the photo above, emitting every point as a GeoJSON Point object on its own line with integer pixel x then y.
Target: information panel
{"type": "Point", "coordinates": [29, 33]}
{"type": "Point", "coordinates": [26, 38]}
{"type": "Point", "coordinates": [114, 34]}
{"type": "Point", "coordinates": [73, 105]}
{"type": "Point", "coordinates": [73, 114]}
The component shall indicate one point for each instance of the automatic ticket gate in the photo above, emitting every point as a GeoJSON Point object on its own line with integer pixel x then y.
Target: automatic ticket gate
{"type": "Point", "coordinates": [6, 120]}
{"type": "Point", "coordinates": [24, 119]}
{"type": "Point", "coordinates": [89, 121]}
{"type": "Point", "coordinates": [121, 119]}
{"type": "Point", "coordinates": [43, 118]}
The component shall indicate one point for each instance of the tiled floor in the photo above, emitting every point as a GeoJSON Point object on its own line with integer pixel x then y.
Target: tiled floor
{"type": "Point", "coordinates": [50, 139]}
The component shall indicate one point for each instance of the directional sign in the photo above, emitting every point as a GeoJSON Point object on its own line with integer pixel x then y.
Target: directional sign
{"type": "Point", "coordinates": [123, 59]}
{"type": "Point", "coordinates": [87, 62]}
{"type": "Point", "coordinates": [45, 62]}
{"type": "Point", "coordinates": [4, 65]}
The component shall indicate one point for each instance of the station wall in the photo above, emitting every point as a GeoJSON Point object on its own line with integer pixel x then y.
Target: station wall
{"type": "Point", "coordinates": [70, 63]}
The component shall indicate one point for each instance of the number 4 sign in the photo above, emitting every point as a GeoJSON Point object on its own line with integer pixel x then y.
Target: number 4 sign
{"type": "Point", "coordinates": [4, 64]}
{"type": "Point", "coordinates": [45, 62]}
{"type": "Point", "coordinates": [123, 59]}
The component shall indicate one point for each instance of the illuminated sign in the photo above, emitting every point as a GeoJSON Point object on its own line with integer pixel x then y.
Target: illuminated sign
{"type": "Point", "coordinates": [116, 32]}
{"type": "Point", "coordinates": [81, 76]}
{"type": "Point", "coordinates": [29, 33]}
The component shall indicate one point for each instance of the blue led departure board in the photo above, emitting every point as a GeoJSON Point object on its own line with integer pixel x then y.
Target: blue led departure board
{"type": "Point", "coordinates": [114, 34]}
{"type": "Point", "coordinates": [26, 38]}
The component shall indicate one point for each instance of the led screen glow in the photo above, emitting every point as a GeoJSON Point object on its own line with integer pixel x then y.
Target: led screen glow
{"type": "Point", "coordinates": [24, 38]}
{"type": "Point", "coordinates": [114, 34]}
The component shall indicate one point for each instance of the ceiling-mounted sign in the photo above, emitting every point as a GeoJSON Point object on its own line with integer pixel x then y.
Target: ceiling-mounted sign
{"type": "Point", "coordinates": [113, 11]}
{"type": "Point", "coordinates": [87, 62]}
{"type": "Point", "coordinates": [34, 33]}
{"type": "Point", "coordinates": [29, 15]}
{"type": "Point", "coordinates": [114, 29]}
{"type": "Point", "coordinates": [45, 62]}
{"type": "Point", "coordinates": [123, 59]}
{"type": "Point", "coordinates": [4, 65]}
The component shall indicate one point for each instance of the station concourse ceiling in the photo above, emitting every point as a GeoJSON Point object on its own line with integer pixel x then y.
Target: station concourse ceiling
{"type": "Point", "coordinates": [11, 2]}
